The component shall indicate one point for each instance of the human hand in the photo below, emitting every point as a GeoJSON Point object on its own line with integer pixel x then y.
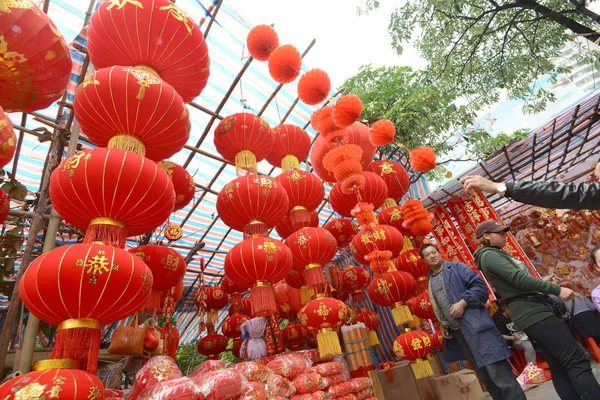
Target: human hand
{"type": "Point", "coordinates": [567, 294]}
{"type": "Point", "coordinates": [458, 309]}
{"type": "Point", "coordinates": [479, 182]}
{"type": "Point", "coordinates": [446, 333]}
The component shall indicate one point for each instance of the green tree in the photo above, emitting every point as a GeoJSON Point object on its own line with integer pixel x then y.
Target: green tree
{"type": "Point", "coordinates": [478, 47]}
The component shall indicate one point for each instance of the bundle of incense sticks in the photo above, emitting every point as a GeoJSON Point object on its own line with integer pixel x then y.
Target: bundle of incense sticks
{"type": "Point", "coordinates": [358, 354]}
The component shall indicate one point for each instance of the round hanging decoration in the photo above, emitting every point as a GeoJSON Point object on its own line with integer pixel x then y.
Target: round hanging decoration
{"type": "Point", "coordinates": [285, 227]}
{"type": "Point", "coordinates": [4, 206]}
{"type": "Point", "coordinates": [229, 286]}
{"type": "Point", "coordinates": [322, 121]}
{"type": "Point", "coordinates": [285, 63]}
{"type": "Point", "coordinates": [415, 346]}
{"type": "Point", "coordinates": [347, 110]}
{"type": "Point", "coordinates": [234, 290]}
{"type": "Point", "coordinates": [421, 306]}
{"type": "Point", "coordinates": [291, 144]}
{"type": "Point", "coordinates": [130, 108]}
{"type": "Point", "coordinates": [165, 40]}
{"type": "Point", "coordinates": [372, 321]}
{"type": "Point", "coordinates": [411, 262]}
{"type": "Point", "coordinates": [382, 132]}
{"type": "Point", "coordinates": [80, 288]}
{"type": "Point", "coordinates": [173, 232]}
{"type": "Point", "coordinates": [183, 183]}
{"type": "Point", "coordinates": [416, 218]}
{"type": "Point", "coordinates": [259, 262]}
{"type": "Point", "coordinates": [261, 41]}
{"type": "Point", "coordinates": [214, 298]}
{"type": "Point", "coordinates": [178, 291]}
{"type": "Point", "coordinates": [237, 348]}
{"type": "Point", "coordinates": [391, 289]}
{"type": "Point", "coordinates": [393, 216]}
{"type": "Point", "coordinates": [53, 383]}
{"type": "Point", "coordinates": [35, 63]}
{"type": "Point", "coordinates": [243, 139]}
{"type": "Point", "coordinates": [212, 345]}
{"type": "Point", "coordinates": [297, 280]}
{"type": "Point", "coordinates": [344, 161]}
{"type": "Point", "coordinates": [323, 316]}
{"type": "Point", "coordinates": [382, 238]}
{"type": "Point", "coordinates": [375, 192]}
{"type": "Point", "coordinates": [244, 308]}
{"type": "Point", "coordinates": [8, 139]}
{"type": "Point", "coordinates": [354, 280]}
{"type": "Point", "coordinates": [282, 296]}
{"type": "Point", "coordinates": [343, 230]}
{"type": "Point", "coordinates": [437, 339]}
{"type": "Point", "coordinates": [312, 248]}
{"type": "Point", "coordinates": [252, 204]}
{"type": "Point", "coordinates": [293, 337]}
{"type": "Point", "coordinates": [305, 193]}
{"type": "Point", "coordinates": [232, 326]}
{"type": "Point", "coordinates": [314, 86]}
{"type": "Point", "coordinates": [137, 199]}
{"type": "Point", "coordinates": [422, 159]}
{"type": "Point", "coordinates": [396, 179]}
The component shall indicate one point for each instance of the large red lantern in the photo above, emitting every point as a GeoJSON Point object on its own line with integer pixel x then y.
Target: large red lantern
{"type": "Point", "coordinates": [131, 108]}
{"type": "Point", "coordinates": [230, 287]}
{"type": "Point", "coordinates": [232, 326]}
{"type": "Point", "coordinates": [165, 39]}
{"type": "Point", "coordinates": [381, 237]}
{"type": "Point", "coordinates": [375, 192]}
{"type": "Point", "coordinates": [259, 262]}
{"type": "Point", "coordinates": [343, 230]}
{"type": "Point", "coordinates": [421, 306]}
{"type": "Point", "coordinates": [243, 139]}
{"type": "Point", "coordinates": [305, 192]}
{"type": "Point", "coordinates": [411, 262]}
{"type": "Point", "coordinates": [212, 345]}
{"type": "Point", "coordinates": [235, 290]}
{"type": "Point", "coordinates": [324, 316]}
{"type": "Point", "coordinates": [293, 337]}
{"type": "Point", "coordinates": [395, 176]}
{"type": "Point", "coordinates": [183, 183]}
{"type": "Point", "coordinates": [415, 346]}
{"type": "Point", "coordinates": [8, 140]}
{"type": "Point", "coordinates": [252, 204]}
{"type": "Point", "coordinates": [53, 384]}
{"type": "Point", "coordinates": [111, 193]}
{"type": "Point", "coordinates": [391, 289]}
{"type": "Point", "coordinates": [291, 145]}
{"type": "Point", "coordinates": [372, 321]}
{"type": "Point", "coordinates": [35, 64]}
{"type": "Point", "coordinates": [282, 296]}
{"type": "Point", "coordinates": [285, 227]}
{"type": "Point", "coordinates": [354, 280]}
{"type": "Point", "coordinates": [80, 288]}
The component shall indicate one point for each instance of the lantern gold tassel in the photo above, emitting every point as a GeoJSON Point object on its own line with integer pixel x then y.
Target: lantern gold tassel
{"type": "Point", "coordinates": [262, 299]}
{"type": "Point", "coordinates": [306, 294]}
{"type": "Point", "coordinates": [289, 162]}
{"type": "Point", "coordinates": [245, 160]}
{"type": "Point", "coordinates": [129, 143]}
{"type": "Point", "coordinates": [422, 368]}
{"type": "Point", "coordinates": [389, 202]}
{"type": "Point", "coordinates": [407, 244]}
{"type": "Point", "coordinates": [401, 314]}
{"type": "Point", "coordinates": [329, 344]}
{"type": "Point", "coordinates": [79, 340]}
{"type": "Point", "coordinates": [373, 339]}
{"type": "Point", "coordinates": [106, 230]}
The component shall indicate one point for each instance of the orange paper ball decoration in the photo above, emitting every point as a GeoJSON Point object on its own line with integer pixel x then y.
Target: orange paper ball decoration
{"type": "Point", "coordinates": [415, 346]}
{"type": "Point", "coordinates": [285, 227]}
{"type": "Point", "coordinates": [322, 121]}
{"type": "Point", "coordinates": [311, 249]}
{"type": "Point", "coordinates": [343, 230]}
{"type": "Point", "coordinates": [411, 262]}
{"type": "Point", "coordinates": [285, 63]}
{"type": "Point", "coordinates": [8, 139]}
{"type": "Point", "coordinates": [391, 289]}
{"type": "Point", "coordinates": [183, 183]}
{"type": "Point", "coordinates": [382, 238]}
{"type": "Point", "coordinates": [36, 65]}
{"type": "Point", "coordinates": [422, 159]}
{"type": "Point", "coordinates": [232, 326]}
{"type": "Point", "coordinates": [324, 316]}
{"type": "Point", "coordinates": [291, 145]}
{"type": "Point", "coordinates": [171, 44]}
{"type": "Point", "coordinates": [375, 192]}
{"type": "Point", "coordinates": [261, 41]}
{"type": "Point", "coordinates": [437, 339]}
{"type": "Point", "coordinates": [395, 176]}
{"type": "Point", "coordinates": [212, 345]}
{"type": "Point", "coordinates": [314, 86]}
{"type": "Point", "coordinates": [421, 227]}
{"type": "Point", "coordinates": [347, 110]}
{"type": "Point", "coordinates": [382, 132]}
{"type": "Point", "coordinates": [53, 384]}
{"type": "Point", "coordinates": [305, 193]}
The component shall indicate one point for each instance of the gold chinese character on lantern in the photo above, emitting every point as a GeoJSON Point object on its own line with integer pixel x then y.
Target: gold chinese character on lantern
{"type": "Point", "coordinates": [386, 168]}
{"type": "Point", "coordinates": [379, 234]}
{"type": "Point", "coordinates": [399, 350]}
{"type": "Point", "coordinates": [172, 262]}
{"type": "Point", "coordinates": [426, 341]}
{"type": "Point", "coordinates": [416, 344]}
{"type": "Point", "coordinates": [96, 265]}
{"type": "Point", "coordinates": [323, 310]}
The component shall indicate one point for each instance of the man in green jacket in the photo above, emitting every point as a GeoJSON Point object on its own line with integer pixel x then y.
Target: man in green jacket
{"type": "Point", "coordinates": [571, 373]}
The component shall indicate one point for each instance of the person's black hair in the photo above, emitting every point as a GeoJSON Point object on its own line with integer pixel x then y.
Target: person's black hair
{"type": "Point", "coordinates": [593, 255]}
{"type": "Point", "coordinates": [426, 245]}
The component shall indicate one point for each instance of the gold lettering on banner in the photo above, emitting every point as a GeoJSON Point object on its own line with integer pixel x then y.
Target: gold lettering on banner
{"type": "Point", "coordinates": [122, 3]}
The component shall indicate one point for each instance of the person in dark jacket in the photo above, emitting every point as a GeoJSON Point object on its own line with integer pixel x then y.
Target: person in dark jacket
{"type": "Point", "coordinates": [458, 296]}
{"type": "Point", "coordinates": [574, 196]}
{"type": "Point", "coordinates": [571, 373]}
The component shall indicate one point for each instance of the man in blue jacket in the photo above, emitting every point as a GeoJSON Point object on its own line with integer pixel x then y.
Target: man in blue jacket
{"type": "Point", "coordinates": [458, 296]}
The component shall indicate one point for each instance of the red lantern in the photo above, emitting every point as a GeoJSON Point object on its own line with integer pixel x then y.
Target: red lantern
{"type": "Point", "coordinates": [178, 291]}
{"type": "Point", "coordinates": [293, 337]}
{"type": "Point", "coordinates": [314, 86]}
{"type": "Point", "coordinates": [244, 308]}
{"type": "Point", "coordinates": [343, 230]}
{"type": "Point", "coordinates": [393, 216]}
{"type": "Point", "coordinates": [291, 145]}
{"type": "Point", "coordinates": [437, 339]}
{"type": "Point", "coordinates": [382, 132]}
{"type": "Point", "coordinates": [411, 262]}
{"type": "Point", "coordinates": [173, 232]}
{"type": "Point", "coordinates": [395, 176]}
{"type": "Point", "coordinates": [372, 321]}
{"type": "Point", "coordinates": [258, 262]}
{"type": "Point", "coordinates": [285, 63]}
{"type": "Point", "coordinates": [136, 199]}
{"type": "Point", "coordinates": [53, 383]}
{"type": "Point", "coordinates": [212, 345]}
{"type": "Point", "coordinates": [282, 296]}
{"type": "Point", "coordinates": [232, 326]}
{"type": "Point", "coordinates": [80, 288]}
{"type": "Point", "coordinates": [421, 306]}
{"type": "Point", "coordinates": [183, 183]}
{"type": "Point", "coordinates": [375, 192]}
{"type": "Point", "coordinates": [4, 206]}
{"type": "Point", "coordinates": [243, 139]}
{"type": "Point", "coordinates": [422, 159]}
{"type": "Point", "coordinates": [214, 298]}
{"type": "Point", "coordinates": [237, 347]}
{"type": "Point", "coordinates": [324, 316]}
{"type": "Point", "coordinates": [346, 110]}
{"type": "Point", "coordinates": [285, 228]}
{"type": "Point", "coordinates": [252, 204]}
{"type": "Point", "coordinates": [415, 346]}
{"type": "Point", "coordinates": [305, 193]}
{"type": "Point", "coordinates": [261, 41]}
{"type": "Point", "coordinates": [8, 140]}
{"type": "Point", "coordinates": [131, 108]}
{"type": "Point", "coordinates": [382, 238]}
{"type": "Point", "coordinates": [230, 287]}
{"type": "Point", "coordinates": [36, 64]}
{"type": "Point", "coordinates": [391, 289]}
{"type": "Point", "coordinates": [354, 280]}
{"type": "Point", "coordinates": [171, 43]}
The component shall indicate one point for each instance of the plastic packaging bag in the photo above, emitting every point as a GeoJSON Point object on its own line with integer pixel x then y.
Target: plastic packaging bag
{"type": "Point", "coordinates": [157, 369]}
{"type": "Point", "coordinates": [253, 371]}
{"type": "Point", "coordinates": [221, 384]}
{"type": "Point", "coordinates": [207, 366]}
{"type": "Point", "coordinates": [255, 347]}
{"type": "Point", "coordinates": [328, 368]}
{"type": "Point", "coordinates": [176, 389]}
{"type": "Point", "coordinates": [308, 383]}
{"type": "Point", "coordinates": [333, 380]}
{"type": "Point", "coordinates": [255, 391]}
{"type": "Point", "coordinates": [279, 386]}
{"type": "Point", "coordinates": [289, 365]}
{"type": "Point", "coordinates": [532, 376]}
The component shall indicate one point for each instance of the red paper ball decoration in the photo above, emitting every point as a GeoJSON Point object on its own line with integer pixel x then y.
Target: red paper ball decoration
{"type": "Point", "coordinates": [395, 176]}
{"type": "Point", "coordinates": [173, 232]}
{"type": "Point", "coordinates": [314, 86]}
{"type": "Point", "coordinates": [261, 41]}
{"type": "Point", "coordinates": [8, 139]}
{"type": "Point", "coordinates": [422, 159]}
{"type": "Point", "coordinates": [382, 238]}
{"type": "Point", "coordinates": [324, 316]}
{"type": "Point", "coordinates": [285, 63]}
{"type": "Point", "coordinates": [411, 262]}
{"type": "Point", "coordinates": [285, 227]}
{"type": "Point", "coordinates": [382, 132]}
{"type": "Point", "coordinates": [312, 248]}
{"type": "Point", "coordinates": [437, 339]}
{"type": "Point", "coordinates": [375, 192]}
{"type": "Point", "coordinates": [232, 326]}
{"type": "Point", "coordinates": [53, 384]}
{"type": "Point", "coordinates": [415, 346]}
{"type": "Point", "coordinates": [416, 218]}
{"type": "Point", "coordinates": [391, 289]}
{"type": "Point", "coordinates": [347, 110]}
{"type": "Point", "coordinates": [36, 64]}
{"type": "Point", "coordinates": [322, 121]}
{"type": "Point", "coordinates": [212, 345]}
{"type": "Point", "coordinates": [305, 193]}
{"type": "Point", "coordinates": [343, 230]}
{"type": "Point", "coordinates": [293, 337]}
{"type": "Point", "coordinates": [183, 183]}
{"type": "Point", "coordinates": [372, 321]}
{"type": "Point", "coordinates": [171, 43]}
{"type": "Point", "coordinates": [291, 145]}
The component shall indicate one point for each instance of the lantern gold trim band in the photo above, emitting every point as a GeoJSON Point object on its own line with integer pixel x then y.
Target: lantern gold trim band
{"type": "Point", "coordinates": [312, 265]}
{"type": "Point", "coordinates": [262, 283]}
{"type": "Point", "coordinates": [107, 221]}
{"type": "Point", "coordinates": [320, 296]}
{"type": "Point", "coordinates": [61, 363]}
{"type": "Point", "coordinates": [299, 208]}
{"type": "Point", "coordinates": [389, 202]}
{"type": "Point", "coordinates": [76, 323]}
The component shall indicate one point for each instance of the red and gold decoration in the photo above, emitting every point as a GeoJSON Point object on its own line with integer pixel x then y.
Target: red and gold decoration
{"type": "Point", "coordinates": [324, 316]}
{"type": "Point", "coordinates": [261, 41]}
{"type": "Point", "coordinates": [80, 288]}
{"type": "Point", "coordinates": [305, 193]}
{"type": "Point", "coordinates": [285, 63]}
{"type": "Point", "coordinates": [295, 279]}
{"type": "Point", "coordinates": [314, 86]}
{"type": "Point", "coordinates": [392, 289]}
{"type": "Point", "coordinates": [410, 261]}
{"type": "Point", "coordinates": [234, 291]}
{"type": "Point", "coordinates": [396, 179]}
{"type": "Point", "coordinates": [421, 306]}
{"type": "Point", "coordinates": [244, 308]}
{"type": "Point", "coordinates": [4, 206]}
{"type": "Point", "coordinates": [291, 145]}
{"type": "Point", "coordinates": [285, 227]}
{"type": "Point", "coordinates": [422, 159]}
{"type": "Point", "coordinates": [211, 298]}
{"type": "Point", "coordinates": [374, 191]}
{"type": "Point", "coordinates": [437, 339]}
{"type": "Point", "coordinates": [372, 321]}
{"type": "Point", "coordinates": [354, 280]}
{"type": "Point", "coordinates": [382, 132]}
{"type": "Point", "coordinates": [415, 346]}
{"type": "Point", "coordinates": [34, 58]}
{"type": "Point", "coordinates": [173, 232]}
{"type": "Point", "coordinates": [232, 326]}
{"type": "Point", "coordinates": [393, 216]}
{"type": "Point", "coordinates": [377, 238]}
{"type": "Point", "coordinates": [172, 45]}
{"type": "Point", "coordinates": [343, 230]}
{"type": "Point", "coordinates": [8, 139]}
{"type": "Point", "coordinates": [282, 298]}
{"type": "Point", "coordinates": [293, 337]}
{"type": "Point", "coordinates": [183, 183]}
{"type": "Point", "coordinates": [212, 345]}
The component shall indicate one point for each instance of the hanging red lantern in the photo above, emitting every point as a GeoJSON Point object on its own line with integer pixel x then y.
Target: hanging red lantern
{"type": "Point", "coordinates": [314, 86]}
{"type": "Point", "coordinates": [8, 139]}
{"type": "Point", "coordinates": [172, 44]}
{"type": "Point", "coordinates": [229, 286]}
{"type": "Point", "coordinates": [261, 41]}
{"type": "Point", "coordinates": [183, 183]}
{"type": "Point", "coordinates": [212, 345]}
{"type": "Point", "coordinates": [354, 280]}
{"type": "Point", "coordinates": [421, 306]}
{"type": "Point", "coordinates": [372, 321]}
{"type": "Point", "coordinates": [347, 110]}
{"type": "Point", "coordinates": [252, 204]}
{"type": "Point", "coordinates": [285, 63]}
{"type": "Point", "coordinates": [437, 339]}
{"type": "Point", "coordinates": [245, 308]}
{"type": "Point", "coordinates": [305, 193]}
{"type": "Point", "coordinates": [4, 206]}
{"type": "Point", "coordinates": [375, 192]}
{"type": "Point", "coordinates": [411, 262]}
{"type": "Point", "coordinates": [422, 159]}
{"type": "Point", "coordinates": [391, 289]}
{"type": "Point", "coordinates": [382, 132]}
{"type": "Point", "coordinates": [137, 200]}
{"type": "Point", "coordinates": [214, 299]}
{"type": "Point", "coordinates": [53, 382]}
{"type": "Point", "coordinates": [282, 297]}
{"type": "Point", "coordinates": [323, 317]}
{"type": "Point", "coordinates": [291, 145]}
{"type": "Point", "coordinates": [293, 337]}
{"type": "Point", "coordinates": [36, 65]}
{"type": "Point", "coordinates": [131, 108]}
{"type": "Point", "coordinates": [415, 346]}
{"type": "Point", "coordinates": [285, 227]}
{"type": "Point", "coordinates": [232, 326]}
{"type": "Point", "coordinates": [237, 347]}
{"type": "Point", "coordinates": [178, 291]}
{"type": "Point", "coordinates": [381, 237]}
{"type": "Point", "coordinates": [258, 262]}
{"type": "Point", "coordinates": [396, 179]}
{"type": "Point", "coordinates": [295, 279]}
{"type": "Point", "coordinates": [80, 288]}
{"type": "Point", "coordinates": [173, 232]}
{"type": "Point", "coordinates": [243, 139]}
{"type": "Point", "coordinates": [343, 230]}
{"type": "Point", "coordinates": [393, 216]}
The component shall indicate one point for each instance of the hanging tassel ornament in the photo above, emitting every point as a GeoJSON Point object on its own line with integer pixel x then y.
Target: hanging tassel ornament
{"type": "Point", "coordinates": [245, 162]}
{"type": "Point", "coordinates": [323, 316]}
{"type": "Point", "coordinates": [262, 299]}
{"type": "Point", "coordinates": [329, 344]}
{"type": "Point", "coordinates": [314, 275]}
{"type": "Point", "coordinates": [401, 314]}
{"type": "Point", "coordinates": [422, 367]}
{"type": "Point", "coordinates": [79, 340]}
{"type": "Point", "coordinates": [127, 142]}
{"type": "Point", "coordinates": [108, 231]}
{"type": "Point", "coordinates": [373, 339]}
